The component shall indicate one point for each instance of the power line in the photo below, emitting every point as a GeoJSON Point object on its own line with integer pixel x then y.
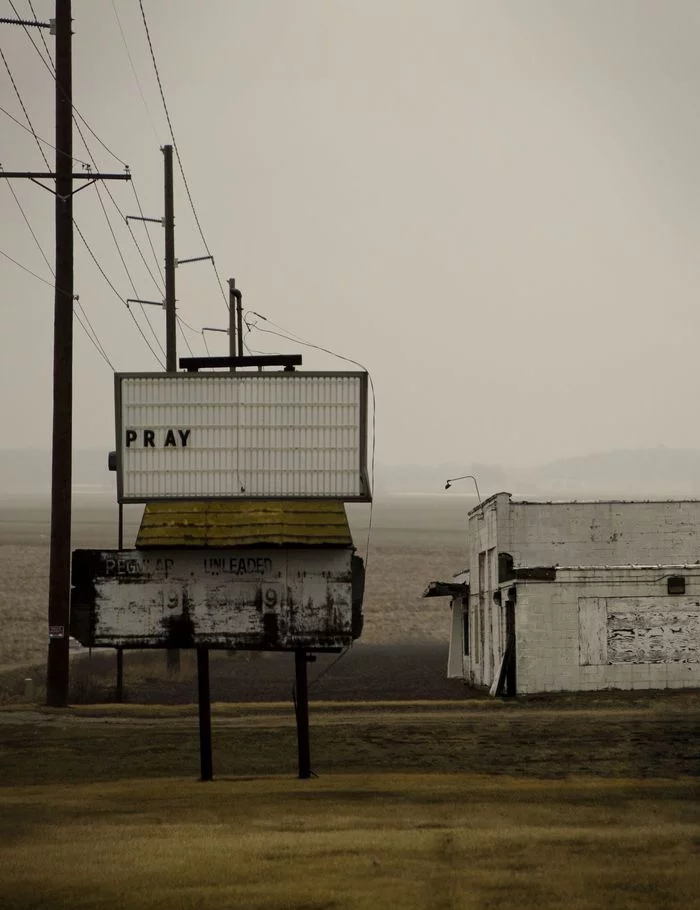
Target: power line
{"type": "Point", "coordinates": [177, 153]}
{"type": "Point", "coordinates": [29, 227]}
{"type": "Point", "coordinates": [183, 336]}
{"type": "Point", "coordinates": [148, 233]}
{"type": "Point", "coordinates": [135, 74]}
{"type": "Point", "coordinates": [117, 294]}
{"type": "Point", "coordinates": [318, 347]}
{"type": "Point", "coordinates": [50, 67]}
{"type": "Point", "coordinates": [25, 269]}
{"type": "Point", "coordinates": [80, 132]}
{"type": "Point", "coordinates": [95, 341]}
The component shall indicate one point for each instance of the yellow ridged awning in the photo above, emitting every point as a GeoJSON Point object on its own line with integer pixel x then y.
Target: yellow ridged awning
{"type": "Point", "coordinates": [310, 523]}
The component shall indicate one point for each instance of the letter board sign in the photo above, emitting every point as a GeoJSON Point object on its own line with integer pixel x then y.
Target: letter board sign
{"type": "Point", "coordinates": [283, 435]}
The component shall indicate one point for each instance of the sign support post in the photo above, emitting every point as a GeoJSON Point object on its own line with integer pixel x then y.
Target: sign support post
{"type": "Point", "coordinates": [204, 696]}
{"type": "Point", "coordinates": [302, 713]}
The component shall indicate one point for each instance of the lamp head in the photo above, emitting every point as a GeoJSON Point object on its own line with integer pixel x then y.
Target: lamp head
{"type": "Point", "coordinates": [448, 485]}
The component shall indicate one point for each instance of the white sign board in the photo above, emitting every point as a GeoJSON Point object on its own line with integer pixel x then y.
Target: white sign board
{"type": "Point", "coordinates": [283, 435]}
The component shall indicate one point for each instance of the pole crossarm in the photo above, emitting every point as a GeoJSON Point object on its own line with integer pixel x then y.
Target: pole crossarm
{"type": "Point", "coordinates": [38, 176]}
{"type": "Point", "coordinates": [141, 218]}
{"type": "Point", "coordinates": [43, 175]}
{"type": "Point", "coordinates": [193, 259]}
{"type": "Point", "coordinates": [51, 24]}
{"type": "Point", "coordinates": [160, 303]}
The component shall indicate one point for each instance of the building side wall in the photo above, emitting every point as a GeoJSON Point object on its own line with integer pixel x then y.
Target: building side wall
{"type": "Point", "coordinates": [611, 629]}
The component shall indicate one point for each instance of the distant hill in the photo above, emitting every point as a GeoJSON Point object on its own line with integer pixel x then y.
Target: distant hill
{"type": "Point", "coordinates": [627, 472]}
{"type": "Point", "coordinates": [634, 473]}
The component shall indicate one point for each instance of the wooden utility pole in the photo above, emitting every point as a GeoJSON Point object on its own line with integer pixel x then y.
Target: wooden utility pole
{"type": "Point", "coordinates": [57, 666]}
{"type": "Point", "coordinates": [57, 671]}
{"type": "Point", "coordinates": [169, 224]}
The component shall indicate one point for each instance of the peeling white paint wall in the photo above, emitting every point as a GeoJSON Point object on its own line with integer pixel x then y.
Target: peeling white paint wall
{"type": "Point", "coordinates": [608, 627]}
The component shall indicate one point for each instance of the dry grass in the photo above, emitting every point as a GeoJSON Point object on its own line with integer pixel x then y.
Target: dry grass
{"type": "Point", "coordinates": [351, 842]}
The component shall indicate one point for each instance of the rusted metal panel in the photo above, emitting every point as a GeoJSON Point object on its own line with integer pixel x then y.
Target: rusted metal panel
{"type": "Point", "coordinates": [312, 523]}
{"type": "Point", "coordinates": [272, 599]}
{"type": "Point", "coordinates": [653, 630]}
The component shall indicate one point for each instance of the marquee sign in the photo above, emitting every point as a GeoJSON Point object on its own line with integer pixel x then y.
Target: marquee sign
{"type": "Point", "coordinates": [281, 435]}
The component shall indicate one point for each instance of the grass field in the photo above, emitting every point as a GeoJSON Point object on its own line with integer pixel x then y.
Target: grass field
{"type": "Point", "coordinates": [477, 804]}
{"type": "Point", "coordinates": [351, 841]}
{"type": "Point", "coordinates": [445, 799]}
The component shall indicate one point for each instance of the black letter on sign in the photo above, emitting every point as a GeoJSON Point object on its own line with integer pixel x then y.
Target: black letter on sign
{"type": "Point", "coordinates": [184, 436]}
{"type": "Point", "coordinates": [130, 437]}
{"type": "Point", "coordinates": [169, 439]}
{"type": "Point", "coordinates": [149, 438]}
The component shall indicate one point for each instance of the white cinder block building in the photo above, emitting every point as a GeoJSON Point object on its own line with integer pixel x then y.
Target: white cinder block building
{"type": "Point", "coordinates": [590, 595]}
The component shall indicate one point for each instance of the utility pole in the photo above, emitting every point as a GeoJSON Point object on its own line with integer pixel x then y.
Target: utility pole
{"type": "Point", "coordinates": [57, 666]}
{"type": "Point", "coordinates": [170, 263]}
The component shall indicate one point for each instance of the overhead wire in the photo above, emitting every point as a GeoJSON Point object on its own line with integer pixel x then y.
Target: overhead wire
{"type": "Point", "coordinates": [86, 325]}
{"type": "Point", "coordinates": [117, 294]}
{"type": "Point", "coordinates": [298, 340]}
{"type": "Point", "coordinates": [51, 68]}
{"type": "Point", "coordinates": [177, 153]}
{"type": "Point", "coordinates": [134, 73]}
{"type": "Point", "coordinates": [29, 271]}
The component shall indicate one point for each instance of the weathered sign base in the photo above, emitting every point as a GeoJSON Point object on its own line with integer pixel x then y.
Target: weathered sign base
{"type": "Point", "coordinates": [263, 599]}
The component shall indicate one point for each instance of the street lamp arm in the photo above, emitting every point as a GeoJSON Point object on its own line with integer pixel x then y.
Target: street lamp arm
{"type": "Point", "coordinates": [449, 483]}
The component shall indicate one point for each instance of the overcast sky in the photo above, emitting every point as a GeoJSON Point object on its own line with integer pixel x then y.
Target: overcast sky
{"type": "Point", "coordinates": [493, 206]}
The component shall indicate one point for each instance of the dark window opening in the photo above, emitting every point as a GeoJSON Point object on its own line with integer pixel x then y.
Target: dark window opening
{"type": "Point", "coordinates": [465, 633]}
{"type": "Point", "coordinates": [676, 584]}
{"type": "Point", "coordinates": [505, 567]}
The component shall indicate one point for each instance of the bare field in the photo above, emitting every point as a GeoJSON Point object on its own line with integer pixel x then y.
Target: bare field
{"type": "Point", "coordinates": [351, 842]}
{"type": "Point", "coordinates": [413, 541]}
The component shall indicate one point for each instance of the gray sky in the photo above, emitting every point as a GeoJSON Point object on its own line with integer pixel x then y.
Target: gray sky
{"type": "Point", "coordinates": [492, 205]}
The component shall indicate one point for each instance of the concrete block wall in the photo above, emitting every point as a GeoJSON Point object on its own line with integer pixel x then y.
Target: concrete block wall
{"type": "Point", "coordinates": [604, 533]}
{"type": "Point", "coordinates": [587, 533]}
{"type": "Point", "coordinates": [551, 655]}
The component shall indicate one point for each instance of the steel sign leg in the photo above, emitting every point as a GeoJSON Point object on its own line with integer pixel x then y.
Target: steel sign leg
{"type": "Point", "coordinates": [120, 675]}
{"type": "Point", "coordinates": [204, 714]}
{"type": "Point", "coordinates": [302, 713]}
